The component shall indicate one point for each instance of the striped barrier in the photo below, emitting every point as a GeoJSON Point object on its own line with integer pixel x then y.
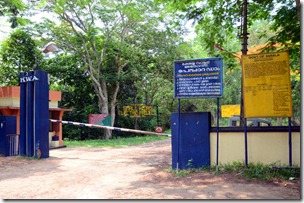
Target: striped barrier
{"type": "Point", "coordinates": [109, 127]}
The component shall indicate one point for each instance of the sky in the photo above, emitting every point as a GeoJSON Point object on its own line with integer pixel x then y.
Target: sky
{"type": "Point", "coordinates": [5, 28]}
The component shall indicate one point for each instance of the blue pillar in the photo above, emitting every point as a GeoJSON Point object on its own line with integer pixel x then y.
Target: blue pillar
{"type": "Point", "coordinates": [34, 111]}
{"type": "Point", "coordinates": [22, 137]}
{"type": "Point", "coordinates": [29, 136]}
{"type": "Point", "coordinates": [41, 113]}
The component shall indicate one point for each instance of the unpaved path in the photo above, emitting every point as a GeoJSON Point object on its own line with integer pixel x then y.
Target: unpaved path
{"type": "Point", "coordinates": [136, 172]}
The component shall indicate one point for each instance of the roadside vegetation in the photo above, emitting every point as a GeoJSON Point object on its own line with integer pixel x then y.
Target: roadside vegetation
{"type": "Point", "coordinates": [254, 171]}
{"type": "Point", "coordinates": [120, 142]}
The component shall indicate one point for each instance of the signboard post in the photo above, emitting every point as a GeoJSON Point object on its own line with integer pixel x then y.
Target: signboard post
{"type": "Point", "coordinates": [267, 89]}
{"type": "Point", "coordinates": [198, 78]}
{"type": "Point", "coordinates": [266, 79]}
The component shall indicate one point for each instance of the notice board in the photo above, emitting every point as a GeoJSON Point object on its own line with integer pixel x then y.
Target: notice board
{"type": "Point", "coordinates": [230, 110]}
{"type": "Point", "coordinates": [197, 78]}
{"type": "Point", "coordinates": [266, 85]}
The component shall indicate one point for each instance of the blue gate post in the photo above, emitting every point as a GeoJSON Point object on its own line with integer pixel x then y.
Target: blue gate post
{"type": "Point", "coordinates": [41, 114]}
{"type": "Point", "coordinates": [30, 116]}
{"type": "Point", "coordinates": [34, 113]}
{"type": "Point", "coordinates": [191, 148]}
{"type": "Point", "coordinates": [22, 136]}
{"type": "Point", "coordinates": [7, 129]}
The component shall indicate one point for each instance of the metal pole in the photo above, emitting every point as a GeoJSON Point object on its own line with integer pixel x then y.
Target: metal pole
{"type": "Point", "coordinates": [243, 120]}
{"type": "Point", "coordinates": [246, 142]}
{"type": "Point", "coordinates": [290, 141]}
{"type": "Point", "coordinates": [178, 134]}
{"type": "Point", "coordinates": [217, 133]}
{"type": "Point", "coordinates": [244, 52]}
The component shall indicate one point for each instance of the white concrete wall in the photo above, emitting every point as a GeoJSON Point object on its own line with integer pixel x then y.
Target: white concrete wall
{"type": "Point", "coordinates": [264, 147]}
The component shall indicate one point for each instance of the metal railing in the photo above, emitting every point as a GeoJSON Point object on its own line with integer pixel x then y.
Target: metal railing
{"type": "Point", "coordinates": [13, 144]}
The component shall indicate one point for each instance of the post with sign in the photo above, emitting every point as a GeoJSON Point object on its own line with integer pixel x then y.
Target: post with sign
{"type": "Point", "coordinates": [34, 112]}
{"type": "Point", "coordinates": [197, 78]}
{"type": "Point", "coordinates": [267, 89]}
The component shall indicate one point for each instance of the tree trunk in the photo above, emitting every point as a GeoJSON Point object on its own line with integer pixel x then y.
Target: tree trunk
{"type": "Point", "coordinates": [104, 109]}
{"type": "Point", "coordinates": [298, 6]}
{"type": "Point", "coordinates": [107, 133]}
{"type": "Point", "coordinates": [136, 123]}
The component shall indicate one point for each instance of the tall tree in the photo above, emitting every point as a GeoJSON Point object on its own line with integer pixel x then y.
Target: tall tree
{"type": "Point", "coordinates": [107, 35]}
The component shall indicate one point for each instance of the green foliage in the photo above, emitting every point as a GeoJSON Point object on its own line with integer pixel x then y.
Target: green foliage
{"type": "Point", "coordinates": [12, 8]}
{"type": "Point", "coordinates": [287, 23]}
{"type": "Point", "coordinates": [233, 167]}
{"type": "Point", "coordinates": [121, 142]}
{"type": "Point", "coordinates": [181, 173]}
{"type": "Point", "coordinates": [18, 54]}
{"type": "Point", "coordinates": [120, 44]}
{"type": "Point", "coordinates": [146, 124]}
{"type": "Point", "coordinates": [261, 171]}
{"type": "Point", "coordinates": [260, 32]}
{"type": "Point", "coordinates": [68, 75]}
{"type": "Point", "coordinates": [28, 158]}
{"type": "Point", "coordinates": [258, 171]}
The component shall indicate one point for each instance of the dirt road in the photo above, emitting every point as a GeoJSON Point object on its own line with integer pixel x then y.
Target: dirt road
{"type": "Point", "coordinates": [137, 172]}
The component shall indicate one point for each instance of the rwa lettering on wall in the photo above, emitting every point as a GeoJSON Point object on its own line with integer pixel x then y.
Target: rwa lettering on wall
{"type": "Point", "coordinates": [198, 78]}
{"type": "Point", "coordinates": [266, 83]}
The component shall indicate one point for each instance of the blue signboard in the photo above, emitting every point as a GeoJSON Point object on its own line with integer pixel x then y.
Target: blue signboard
{"type": "Point", "coordinates": [198, 78]}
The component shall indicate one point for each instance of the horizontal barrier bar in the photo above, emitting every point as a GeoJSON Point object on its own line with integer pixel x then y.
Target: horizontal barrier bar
{"type": "Point", "coordinates": [109, 127]}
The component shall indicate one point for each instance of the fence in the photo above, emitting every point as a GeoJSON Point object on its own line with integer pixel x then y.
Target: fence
{"type": "Point", "coordinates": [12, 145]}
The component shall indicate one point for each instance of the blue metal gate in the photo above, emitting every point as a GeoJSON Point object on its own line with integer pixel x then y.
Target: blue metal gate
{"type": "Point", "coordinates": [9, 140]}
{"type": "Point", "coordinates": [190, 140]}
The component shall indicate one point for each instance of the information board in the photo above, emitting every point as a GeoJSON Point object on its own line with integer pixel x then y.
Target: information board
{"type": "Point", "coordinates": [266, 83]}
{"type": "Point", "coordinates": [137, 111]}
{"type": "Point", "coordinates": [230, 110]}
{"type": "Point", "coordinates": [198, 78]}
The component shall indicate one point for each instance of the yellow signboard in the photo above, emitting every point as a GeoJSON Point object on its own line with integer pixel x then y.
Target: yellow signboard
{"type": "Point", "coordinates": [137, 111]}
{"type": "Point", "coordinates": [266, 85]}
{"type": "Point", "coordinates": [228, 111]}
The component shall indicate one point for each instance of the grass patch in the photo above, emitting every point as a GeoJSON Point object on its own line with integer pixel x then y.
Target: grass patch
{"type": "Point", "coordinates": [181, 173]}
{"type": "Point", "coordinates": [121, 142]}
{"type": "Point", "coordinates": [258, 171]}
{"type": "Point", "coordinates": [26, 157]}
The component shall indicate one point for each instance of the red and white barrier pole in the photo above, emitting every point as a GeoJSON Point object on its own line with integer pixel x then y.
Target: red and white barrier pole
{"type": "Point", "coordinates": [109, 127]}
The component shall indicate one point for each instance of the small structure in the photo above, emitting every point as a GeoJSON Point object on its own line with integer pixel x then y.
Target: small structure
{"type": "Point", "coordinates": [10, 106]}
